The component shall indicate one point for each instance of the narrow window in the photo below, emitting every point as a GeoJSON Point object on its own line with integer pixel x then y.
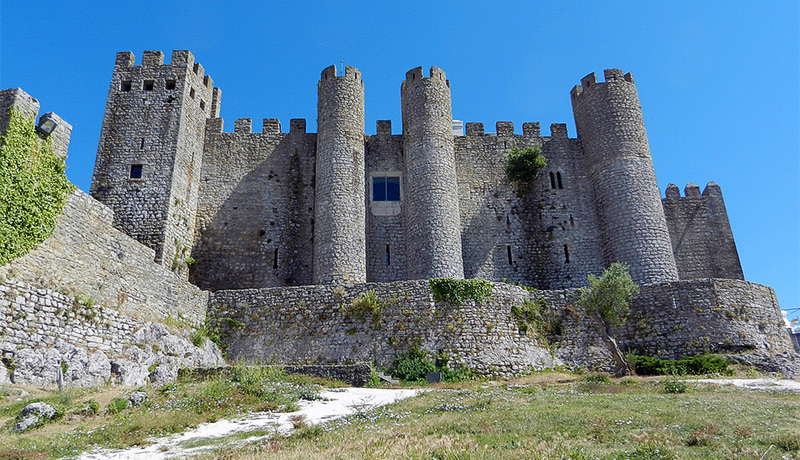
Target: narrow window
{"type": "Point", "coordinates": [136, 171]}
{"type": "Point", "coordinates": [275, 259]}
{"type": "Point", "coordinates": [142, 144]}
{"type": "Point", "coordinates": [552, 180]}
{"type": "Point", "coordinates": [510, 259]}
{"type": "Point", "coordinates": [170, 84]}
{"type": "Point", "coordinates": [202, 104]}
{"type": "Point", "coordinates": [566, 254]}
{"type": "Point", "coordinates": [148, 85]}
{"type": "Point", "coordinates": [191, 93]}
{"type": "Point", "coordinates": [558, 176]}
{"type": "Point", "coordinates": [125, 85]}
{"type": "Point", "coordinates": [571, 221]}
{"type": "Point", "coordinates": [388, 256]}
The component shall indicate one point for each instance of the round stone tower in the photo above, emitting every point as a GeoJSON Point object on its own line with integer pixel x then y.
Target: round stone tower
{"type": "Point", "coordinates": [628, 202]}
{"type": "Point", "coordinates": [339, 209]}
{"type": "Point", "coordinates": [432, 222]}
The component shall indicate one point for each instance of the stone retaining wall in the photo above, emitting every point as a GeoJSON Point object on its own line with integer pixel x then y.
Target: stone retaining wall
{"type": "Point", "coordinates": [43, 331]}
{"type": "Point", "coordinates": [322, 324]}
{"type": "Point", "coordinates": [87, 257]}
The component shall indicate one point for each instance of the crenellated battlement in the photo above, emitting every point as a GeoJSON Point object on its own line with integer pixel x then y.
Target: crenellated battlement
{"type": "Point", "coordinates": [350, 73]}
{"type": "Point", "coordinates": [154, 60]}
{"type": "Point", "coordinates": [692, 190]}
{"type": "Point", "coordinates": [435, 75]}
{"type": "Point", "coordinates": [269, 126]}
{"type": "Point", "coordinates": [506, 129]}
{"type": "Point", "coordinates": [610, 75]}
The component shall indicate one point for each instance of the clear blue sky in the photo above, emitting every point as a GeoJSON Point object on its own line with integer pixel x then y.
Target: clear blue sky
{"type": "Point", "coordinates": [718, 80]}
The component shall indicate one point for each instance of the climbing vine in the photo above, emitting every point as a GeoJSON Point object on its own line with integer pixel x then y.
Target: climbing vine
{"type": "Point", "coordinates": [33, 188]}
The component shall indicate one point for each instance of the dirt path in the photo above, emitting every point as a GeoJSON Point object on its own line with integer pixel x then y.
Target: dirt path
{"type": "Point", "coordinates": [335, 404]}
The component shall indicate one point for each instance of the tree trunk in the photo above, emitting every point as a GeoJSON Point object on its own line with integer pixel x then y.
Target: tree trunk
{"type": "Point", "coordinates": [623, 368]}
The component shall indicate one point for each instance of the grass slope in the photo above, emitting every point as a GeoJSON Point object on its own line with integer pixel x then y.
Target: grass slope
{"type": "Point", "coordinates": [546, 416]}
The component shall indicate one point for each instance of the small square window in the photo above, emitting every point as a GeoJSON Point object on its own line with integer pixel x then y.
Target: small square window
{"type": "Point", "coordinates": [202, 104]}
{"type": "Point", "coordinates": [386, 188]}
{"type": "Point", "coordinates": [136, 171]}
{"type": "Point", "coordinates": [125, 85]}
{"type": "Point", "coordinates": [148, 85]}
{"type": "Point", "coordinates": [170, 84]}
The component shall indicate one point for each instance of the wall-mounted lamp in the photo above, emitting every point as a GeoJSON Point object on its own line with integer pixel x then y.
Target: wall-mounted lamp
{"type": "Point", "coordinates": [47, 124]}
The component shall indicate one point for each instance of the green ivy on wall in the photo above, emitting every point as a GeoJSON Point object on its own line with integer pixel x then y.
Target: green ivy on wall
{"type": "Point", "coordinates": [33, 188]}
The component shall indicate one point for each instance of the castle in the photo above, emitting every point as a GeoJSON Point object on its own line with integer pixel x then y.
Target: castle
{"type": "Point", "coordinates": [275, 239]}
{"type": "Point", "coordinates": [273, 209]}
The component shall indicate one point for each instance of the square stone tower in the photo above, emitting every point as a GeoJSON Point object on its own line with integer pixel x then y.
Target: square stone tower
{"type": "Point", "coordinates": [151, 148]}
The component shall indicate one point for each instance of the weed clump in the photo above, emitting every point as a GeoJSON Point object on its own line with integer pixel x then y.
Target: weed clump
{"type": "Point", "coordinates": [457, 291]}
{"type": "Point", "coordinates": [366, 305]}
{"type": "Point", "coordinates": [117, 405]}
{"type": "Point", "coordinates": [596, 379]}
{"type": "Point", "coordinates": [537, 314]}
{"type": "Point", "coordinates": [675, 386]}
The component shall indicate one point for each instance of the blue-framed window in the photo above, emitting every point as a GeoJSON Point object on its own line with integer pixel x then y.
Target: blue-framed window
{"type": "Point", "coordinates": [386, 188]}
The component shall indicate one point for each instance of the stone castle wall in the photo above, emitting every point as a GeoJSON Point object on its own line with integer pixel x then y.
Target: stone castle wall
{"type": "Point", "coordinates": [386, 238]}
{"type": "Point", "coordinates": [542, 234]}
{"type": "Point", "coordinates": [685, 318]}
{"type": "Point", "coordinates": [701, 234]}
{"type": "Point", "coordinates": [88, 257]}
{"type": "Point", "coordinates": [319, 324]}
{"type": "Point", "coordinates": [255, 217]}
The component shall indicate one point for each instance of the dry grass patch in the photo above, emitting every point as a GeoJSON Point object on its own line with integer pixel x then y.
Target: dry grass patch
{"type": "Point", "coordinates": [522, 419]}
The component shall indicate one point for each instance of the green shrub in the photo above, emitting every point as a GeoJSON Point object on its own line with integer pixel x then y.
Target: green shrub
{"type": "Point", "coordinates": [208, 331]}
{"type": "Point", "coordinates": [524, 164]}
{"type": "Point", "coordinates": [457, 291]}
{"type": "Point", "coordinates": [688, 365]}
{"type": "Point", "coordinates": [33, 187]}
{"type": "Point", "coordinates": [596, 379]}
{"type": "Point", "coordinates": [674, 386]}
{"type": "Point", "coordinates": [414, 365]}
{"type": "Point", "coordinates": [94, 407]}
{"type": "Point", "coordinates": [374, 380]}
{"type": "Point", "coordinates": [117, 405]}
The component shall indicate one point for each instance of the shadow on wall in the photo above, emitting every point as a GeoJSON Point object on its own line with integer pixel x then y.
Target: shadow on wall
{"type": "Point", "coordinates": [255, 214]}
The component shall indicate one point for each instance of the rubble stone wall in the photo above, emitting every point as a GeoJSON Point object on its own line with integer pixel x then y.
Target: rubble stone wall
{"type": "Point", "coordinates": [87, 257]}
{"type": "Point", "coordinates": [43, 332]}
{"type": "Point", "coordinates": [323, 324]}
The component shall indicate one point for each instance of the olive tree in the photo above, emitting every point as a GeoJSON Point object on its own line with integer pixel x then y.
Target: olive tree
{"type": "Point", "coordinates": [607, 300]}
